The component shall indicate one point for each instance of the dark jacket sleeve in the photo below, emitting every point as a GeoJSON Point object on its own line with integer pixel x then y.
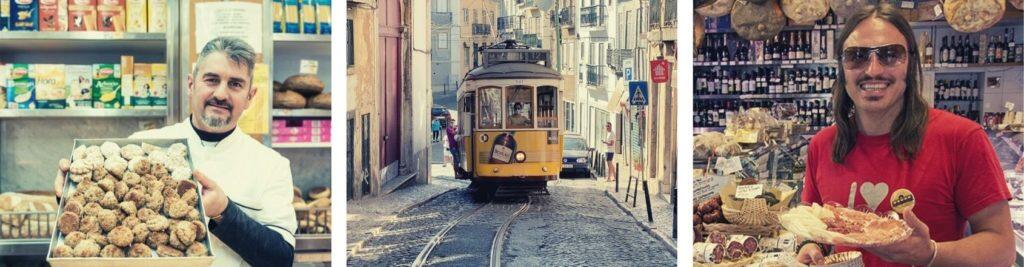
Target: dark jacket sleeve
{"type": "Point", "coordinates": [256, 243]}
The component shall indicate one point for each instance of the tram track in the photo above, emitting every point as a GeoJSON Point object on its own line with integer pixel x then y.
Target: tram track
{"type": "Point", "coordinates": [461, 233]}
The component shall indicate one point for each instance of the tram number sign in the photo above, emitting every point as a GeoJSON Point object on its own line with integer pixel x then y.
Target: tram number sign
{"type": "Point", "coordinates": [638, 93]}
{"type": "Point", "coordinates": [660, 71]}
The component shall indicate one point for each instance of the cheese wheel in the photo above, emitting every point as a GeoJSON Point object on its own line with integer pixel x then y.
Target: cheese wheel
{"type": "Point", "coordinates": [717, 9]}
{"type": "Point", "coordinates": [805, 11]}
{"type": "Point", "coordinates": [757, 22]}
{"type": "Point", "coordinates": [973, 15]}
{"type": "Point", "coordinates": [846, 8]}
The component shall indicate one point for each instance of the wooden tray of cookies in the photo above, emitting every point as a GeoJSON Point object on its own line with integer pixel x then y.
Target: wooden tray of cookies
{"type": "Point", "coordinates": [156, 174]}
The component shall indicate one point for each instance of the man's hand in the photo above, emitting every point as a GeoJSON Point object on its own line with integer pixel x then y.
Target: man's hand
{"type": "Point", "coordinates": [58, 182]}
{"type": "Point", "coordinates": [915, 250]}
{"type": "Point", "coordinates": [810, 255]}
{"type": "Point", "coordinates": [214, 199]}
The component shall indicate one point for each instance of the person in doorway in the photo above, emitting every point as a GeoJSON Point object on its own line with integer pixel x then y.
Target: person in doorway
{"type": "Point", "coordinates": [886, 138]}
{"type": "Point", "coordinates": [453, 147]}
{"type": "Point", "coordinates": [609, 140]}
{"type": "Point", "coordinates": [246, 186]}
{"type": "Point", "coordinates": [435, 127]}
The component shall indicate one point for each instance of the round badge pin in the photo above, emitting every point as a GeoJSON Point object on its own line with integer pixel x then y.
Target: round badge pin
{"type": "Point", "coordinates": [902, 200]}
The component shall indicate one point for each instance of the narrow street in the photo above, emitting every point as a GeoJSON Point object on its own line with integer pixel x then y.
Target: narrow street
{"type": "Point", "coordinates": [576, 225]}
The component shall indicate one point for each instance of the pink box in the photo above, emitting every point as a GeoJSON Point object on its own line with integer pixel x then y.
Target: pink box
{"type": "Point", "coordinates": [292, 138]}
{"type": "Point", "coordinates": [293, 131]}
{"type": "Point", "coordinates": [322, 123]}
{"type": "Point", "coordinates": [278, 124]}
{"type": "Point", "coordinates": [323, 138]}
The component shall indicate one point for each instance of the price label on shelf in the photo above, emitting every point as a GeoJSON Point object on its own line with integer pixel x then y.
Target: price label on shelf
{"type": "Point", "coordinates": [729, 165]}
{"type": "Point", "coordinates": [308, 66]}
{"type": "Point", "coordinates": [706, 187]}
{"type": "Point", "coordinates": [749, 191]}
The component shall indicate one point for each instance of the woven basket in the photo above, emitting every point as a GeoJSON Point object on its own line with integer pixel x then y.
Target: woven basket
{"type": "Point", "coordinates": [844, 259]}
{"type": "Point", "coordinates": [736, 229]}
{"type": "Point", "coordinates": [753, 212]}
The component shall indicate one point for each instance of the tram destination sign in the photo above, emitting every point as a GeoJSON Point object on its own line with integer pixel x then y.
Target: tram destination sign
{"type": "Point", "coordinates": [495, 56]}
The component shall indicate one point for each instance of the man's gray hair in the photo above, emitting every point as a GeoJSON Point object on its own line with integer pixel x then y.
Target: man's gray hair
{"type": "Point", "coordinates": [235, 49]}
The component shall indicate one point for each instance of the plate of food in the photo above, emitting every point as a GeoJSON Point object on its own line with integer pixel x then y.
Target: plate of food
{"type": "Point", "coordinates": [837, 225]}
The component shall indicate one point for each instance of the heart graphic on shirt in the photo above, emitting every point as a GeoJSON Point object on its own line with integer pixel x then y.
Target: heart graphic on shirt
{"type": "Point", "coordinates": [873, 194]}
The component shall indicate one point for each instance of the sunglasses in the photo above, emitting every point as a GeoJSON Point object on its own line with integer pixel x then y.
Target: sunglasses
{"type": "Point", "coordinates": [859, 57]}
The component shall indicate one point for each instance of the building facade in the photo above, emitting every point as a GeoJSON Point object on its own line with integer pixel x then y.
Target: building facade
{"type": "Point", "coordinates": [594, 88]}
{"type": "Point", "coordinates": [388, 44]}
{"type": "Point", "coordinates": [478, 18]}
{"type": "Point", "coordinates": [446, 63]}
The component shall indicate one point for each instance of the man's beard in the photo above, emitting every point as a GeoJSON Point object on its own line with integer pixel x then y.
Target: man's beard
{"type": "Point", "coordinates": [215, 121]}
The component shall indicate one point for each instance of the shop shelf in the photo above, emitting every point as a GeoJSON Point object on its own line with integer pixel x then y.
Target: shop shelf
{"type": "Point", "coordinates": [778, 63]}
{"type": "Point", "coordinates": [988, 67]}
{"type": "Point", "coordinates": [304, 43]}
{"type": "Point", "coordinates": [84, 113]}
{"type": "Point", "coordinates": [786, 28]}
{"type": "Point", "coordinates": [764, 96]}
{"type": "Point", "coordinates": [121, 42]}
{"type": "Point", "coordinates": [700, 130]}
{"type": "Point", "coordinates": [301, 145]}
{"type": "Point", "coordinates": [306, 112]}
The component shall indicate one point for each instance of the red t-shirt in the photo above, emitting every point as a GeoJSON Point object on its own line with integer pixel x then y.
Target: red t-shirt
{"type": "Point", "coordinates": [954, 174]}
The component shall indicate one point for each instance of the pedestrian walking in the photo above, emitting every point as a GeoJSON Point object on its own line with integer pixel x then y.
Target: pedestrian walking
{"type": "Point", "coordinates": [609, 140]}
{"type": "Point", "coordinates": [435, 127]}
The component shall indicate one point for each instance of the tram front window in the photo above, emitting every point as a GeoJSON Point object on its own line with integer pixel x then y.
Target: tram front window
{"type": "Point", "coordinates": [490, 108]}
{"type": "Point", "coordinates": [519, 102]}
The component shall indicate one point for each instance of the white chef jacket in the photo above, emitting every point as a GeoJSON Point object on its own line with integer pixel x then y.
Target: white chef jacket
{"type": "Point", "coordinates": [255, 177]}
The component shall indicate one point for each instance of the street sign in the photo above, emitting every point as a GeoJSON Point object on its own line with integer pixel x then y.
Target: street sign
{"type": "Point", "coordinates": [627, 69]}
{"type": "Point", "coordinates": [660, 71]}
{"type": "Point", "coordinates": [638, 93]}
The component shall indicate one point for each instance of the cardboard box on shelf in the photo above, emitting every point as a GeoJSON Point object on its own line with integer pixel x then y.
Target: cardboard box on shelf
{"type": "Point", "coordinates": [5, 17]}
{"type": "Point", "coordinates": [277, 12]}
{"type": "Point", "coordinates": [140, 90]}
{"type": "Point", "coordinates": [308, 16]}
{"type": "Point", "coordinates": [106, 86]}
{"type": "Point", "coordinates": [79, 82]}
{"type": "Point", "coordinates": [50, 15]}
{"type": "Point", "coordinates": [82, 15]}
{"type": "Point", "coordinates": [51, 91]}
{"type": "Point", "coordinates": [110, 15]}
{"type": "Point", "coordinates": [127, 79]}
{"type": "Point", "coordinates": [158, 85]}
{"type": "Point", "coordinates": [322, 138]}
{"type": "Point", "coordinates": [137, 14]}
{"type": "Point", "coordinates": [323, 16]}
{"type": "Point", "coordinates": [157, 15]}
{"type": "Point", "coordinates": [21, 87]}
{"type": "Point", "coordinates": [303, 138]}
{"type": "Point", "coordinates": [24, 15]}
{"type": "Point", "coordinates": [291, 16]}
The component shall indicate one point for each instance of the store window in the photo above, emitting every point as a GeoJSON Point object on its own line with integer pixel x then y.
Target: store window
{"type": "Point", "coordinates": [570, 116]}
{"type": "Point", "coordinates": [547, 107]}
{"type": "Point", "coordinates": [519, 105]}
{"type": "Point", "coordinates": [490, 108]}
{"type": "Point", "coordinates": [351, 46]}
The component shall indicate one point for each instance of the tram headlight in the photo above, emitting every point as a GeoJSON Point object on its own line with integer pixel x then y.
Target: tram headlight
{"type": "Point", "coordinates": [520, 156]}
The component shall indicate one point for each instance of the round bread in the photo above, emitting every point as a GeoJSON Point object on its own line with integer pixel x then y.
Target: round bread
{"type": "Point", "coordinates": [167, 251]}
{"type": "Point", "coordinates": [304, 84]}
{"type": "Point", "coordinates": [717, 9]}
{"type": "Point", "coordinates": [87, 248]}
{"type": "Point", "coordinates": [112, 251]}
{"type": "Point", "coordinates": [973, 15]}
{"type": "Point", "coordinates": [846, 8]}
{"type": "Point", "coordinates": [196, 250]}
{"type": "Point", "coordinates": [63, 251]}
{"type": "Point", "coordinates": [321, 101]}
{"type": "Point", "coordinates": [278, 87]}
{"type": "Point", "coordinates": [756, 22]}
{"type": "Point", "coordinates": [320, 192]}
{"type": "Point", "coordinates": [289, 99]}
{"type": "Point", "coordinates": [140, 250]}
{"type": "Point", "coordinates": [805, 12]}
{"type": "Point", "coordinates": [68, 222]}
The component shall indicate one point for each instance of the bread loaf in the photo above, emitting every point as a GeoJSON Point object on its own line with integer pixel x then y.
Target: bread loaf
{"type": "Point", "coordinates": [289, 99]}
{"type": "Point", "coordinates": [805, 11]}
{"type": "Point", "coordinates": [304, 84]}
{"type": "Point", "coordinates": [973, 15]}
{"type": "Point", "coordinates": [321, 101]}
{"type": "Point", "coordinates": [756, 22]}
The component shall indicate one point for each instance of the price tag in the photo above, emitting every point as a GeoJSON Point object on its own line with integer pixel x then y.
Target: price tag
{"type": "Point", "coordinates": [907, 4]}
{"type": "Point", "coordinates": [938, 10]}
{"type": "Point", "coordinates": [749, 191]}
{"type": "Point", "coordinates": [706, 187]}
{"type": "Point", "coordinates": [728, 165]}
{"type": "Point", "coordinates": [308, 66]}
{"type": "Point", "coordinates": [1008, 105]}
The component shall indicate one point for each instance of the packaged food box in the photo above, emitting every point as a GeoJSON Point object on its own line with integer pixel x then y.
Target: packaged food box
{"type": "Point", "coordinates": [308, 16]}
{"type": "Point", "coordinates": [291, 131]}
{"type": "Point", "coordinates": [106, 158]}
{"type": "Point", "coordinates": [277, 12]}
{"type": "Point", "coordinates": [24, 15]}
{"type": "Point", "coordinates": [51, 90]}
{"type": "Point", "coordinates": [292, 138]}
{"type": "Point", "coordinates": [157, 15]}
{"type": "Point", "coordinates": [5, 16]}
{"type": "Point", "coordinates": [79, 81]}
{"type": "Point", "coordinates": [21, 87]}
{"type": "Point", "coordinates": [110, 15]}
{"type": "Point", "coordinates": [158, 85]}
{"type": "Point", "coordinates": [127, 80]}
{"type": "Point", "coordinates": [322, 138]}
{"type": "Point", "coordinates": [140, 90]}
{"type": "Point", "coordinates": [323, 16]}
{"type": "Point", "coordinates": [106, 86]}
{"type": "Point", "coordinates": [53, 15]}
{"type": "Point", "coordinates": [5, 72]}
{"type": "Point", "coordinates": [136, 18]}
{"type": "Point", "coordinates": [291, 16]}
{"type": "Point", "coordinates": [322, 123]}
{"type": "Point", "coordinates": [82, 15]}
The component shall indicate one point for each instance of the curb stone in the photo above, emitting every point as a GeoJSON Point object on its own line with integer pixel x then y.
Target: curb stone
{"type": "Point", "coordinates": [664, 240]}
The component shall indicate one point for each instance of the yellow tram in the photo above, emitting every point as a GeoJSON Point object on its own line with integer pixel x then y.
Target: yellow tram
{"type": "Point", "coordinates": [511, 134]}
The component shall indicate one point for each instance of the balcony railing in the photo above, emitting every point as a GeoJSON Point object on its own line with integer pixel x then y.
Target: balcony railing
{"type": "Point", "coordinates": [508, 23]}
{"type": "Point", "coordinates": [441, 18]}
{"type": "Point", "coordinates": [594, 76]}
{"type": "Point", "coordinates": [481, 29]}
{"type": "Point", "coordinates": [530, 40]}
{"type": "Point", "coordinates": [670, 12]}
{"type": "Point", "coordinates": [616, 57]}
{"type": "Point", "coordinates": [564, 17]}
{"type": "Point", "coordinates": [592, 16]}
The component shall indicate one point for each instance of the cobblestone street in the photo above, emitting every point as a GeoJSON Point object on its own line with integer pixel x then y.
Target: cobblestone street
{"type": "Point", "coordinates": [576, 225]}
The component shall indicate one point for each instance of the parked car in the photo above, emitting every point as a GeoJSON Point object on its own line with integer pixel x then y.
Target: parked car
{"type": "Point", "coordinates": [575, 155]}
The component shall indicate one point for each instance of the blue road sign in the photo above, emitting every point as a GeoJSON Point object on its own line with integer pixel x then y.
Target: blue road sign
{"type": "Point", "coordinates": [638, 93]}
{"type": "Point", "coordinates": [628, 73]}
